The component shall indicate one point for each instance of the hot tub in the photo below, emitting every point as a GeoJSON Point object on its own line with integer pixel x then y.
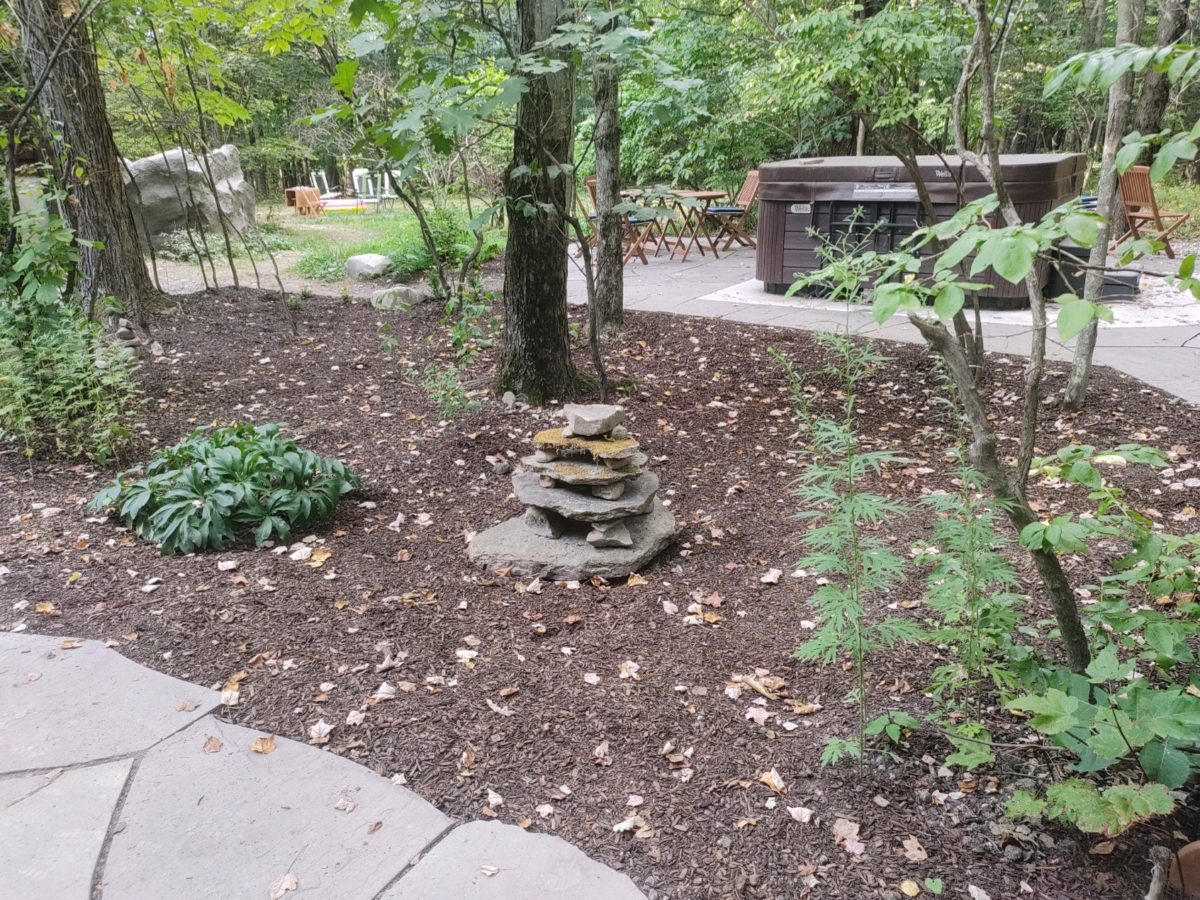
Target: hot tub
{"type": "Point", "coordinates": [870, 203]}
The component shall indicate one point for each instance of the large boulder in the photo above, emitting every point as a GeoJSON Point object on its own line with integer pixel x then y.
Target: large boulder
{"type": "Point", "coordinates": [171, 190]}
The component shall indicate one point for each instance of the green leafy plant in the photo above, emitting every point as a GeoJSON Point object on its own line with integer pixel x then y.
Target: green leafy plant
{"type": "Point", "coordinates": [1134, 714]}
{"type": "Point", "coordinates": [445, 389]}
{"type": "Point", "coordinates": [65, 388]}
{"type": "Point", "coordinates": [220, 486]}
{"type": "Point", "coordinates": [843, 548]}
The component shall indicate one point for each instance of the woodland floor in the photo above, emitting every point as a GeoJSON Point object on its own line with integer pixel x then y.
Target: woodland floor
{"type": "Point", "coordinates": [526, 716]}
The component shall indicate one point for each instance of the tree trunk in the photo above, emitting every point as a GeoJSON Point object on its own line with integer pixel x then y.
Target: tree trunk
{"type": "Point", "coordinates": [73, 102]}
{"type": "Point", "coordinates": [1094, 21]}
{"type": "Point", "coordinates": [1156, 88]}
{"type": "Point", "coordinates": [536, 356]}
{"type": "Point", "coordinates": [610, 261]}
{"type": "Point", "coordinates": [1130, 14]}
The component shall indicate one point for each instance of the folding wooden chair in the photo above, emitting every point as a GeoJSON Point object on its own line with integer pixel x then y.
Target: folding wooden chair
{"type": "Point", "coordinates": [1142, 214]}
{"type": "Point", "coordinates": [634, 232]}
{"type": "Point", "coordinates": [731, 218]}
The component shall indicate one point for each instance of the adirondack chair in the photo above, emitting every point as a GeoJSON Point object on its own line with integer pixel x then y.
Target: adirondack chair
{"type": "Point", "coordinates": [321, 182]}
{"type": "Point", "coordinates": [730, 219]}
{"type": "Point", "coordinates": [1144, 218]}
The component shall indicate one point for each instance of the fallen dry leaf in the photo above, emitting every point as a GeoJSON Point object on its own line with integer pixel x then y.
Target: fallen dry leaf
{"type": "Point", "coordinates": [374, 827]}
{"type": "Point", "coordinates": [801, 814]}
{"type": "Point", "coordinates": [636, 580]}
{"type": "Point", "coordinates": [188, 706]}
{"type": "Point", "coordinates": [845, 833]}
{"type": "Point", "coordinates": [748, 822]}
{"type": "Point", "coordinates": [772, 780]}
{"type": "Point", "coordinates": [913, 850]}
{"type": "Point", "coordinates": [284, 883]}
{"type": "Point", "coordinates": [909, 888]}
{"type": "Point", "coordinates": [1104, 848]}
{"type": "Point", "coordinates": [70, 644]}
{"type": "Point", "coordinates": [47, 608]}
{"type": "Point", "coordinates": [212, 745]}
{"type": "Point", "coordinates": [263, 744]}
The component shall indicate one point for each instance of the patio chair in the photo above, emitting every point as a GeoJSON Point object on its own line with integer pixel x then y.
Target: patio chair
{"type": "Point", "coordinates": [321, 182]}
{"type": "Point", "coordinates": [1144, 218]}
{"type": "Point", "coordinates": [730, 219]}
{"type": "Point", "coordinates": [636, 230]}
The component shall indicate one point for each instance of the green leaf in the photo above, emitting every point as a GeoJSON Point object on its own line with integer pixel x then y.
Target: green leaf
{"type": "Point", "coordinates": [1054, 712]}
{"type": "Point", "coordinates": [1024, 805]}
{"type": "Point", "coordinates": [1012, 255]}
{"type": "Point", "coordinates": [1083, 229]}
{"type": "Point", "coordinates": [1106, 667]}
{"type": "Point", "coordinates": [344, 76]}
{"type": "Point", "coordinates": [1165, 764]}
{"type": "Point", "coordinates": [949, 301]}
{"type": "Point", "coordinates": [1073, 317]}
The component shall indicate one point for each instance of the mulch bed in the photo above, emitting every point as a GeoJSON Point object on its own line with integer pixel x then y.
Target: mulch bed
{"type": "Point", "coordinates": [527, 717]}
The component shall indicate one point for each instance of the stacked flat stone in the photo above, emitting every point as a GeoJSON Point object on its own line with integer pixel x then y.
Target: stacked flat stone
{"type": "Point", "coordinates": [590, 505]}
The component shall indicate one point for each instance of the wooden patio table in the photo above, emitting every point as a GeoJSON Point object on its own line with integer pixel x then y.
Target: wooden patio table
{"type": "Point", "coordinates": [693, 229]}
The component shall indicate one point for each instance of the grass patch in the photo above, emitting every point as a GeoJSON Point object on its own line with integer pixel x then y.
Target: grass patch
{"type": "Point", "coordinates": [327, 243]}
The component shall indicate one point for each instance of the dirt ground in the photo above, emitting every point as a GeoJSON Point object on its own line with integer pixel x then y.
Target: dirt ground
{"type": "Point", "coordinates": [549, 714]}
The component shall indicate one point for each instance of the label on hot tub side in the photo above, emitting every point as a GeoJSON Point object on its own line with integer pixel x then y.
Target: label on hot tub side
{"type": "Point", "coordinates": [884, 191]}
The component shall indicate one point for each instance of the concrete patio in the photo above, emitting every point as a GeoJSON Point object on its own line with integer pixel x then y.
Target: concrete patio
{"type": "Point", "coordinates": [123, 783]}
{"type": "Point", "coordinates": [1155, 337]}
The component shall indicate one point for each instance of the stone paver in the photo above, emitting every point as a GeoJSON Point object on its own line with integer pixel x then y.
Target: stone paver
{"type": "Point", "coordinates": [263, 816]}
{"type": "Point", "coordinates": [118, 782]}
{"type": "Point", "coordinates": [54, 833]}
{"type": "Point", "coordinates": [1155, 339]}
{"type": "Point", "coordinates": [486, 861]}
{"type": "Point", "coordinates": [64, 707]}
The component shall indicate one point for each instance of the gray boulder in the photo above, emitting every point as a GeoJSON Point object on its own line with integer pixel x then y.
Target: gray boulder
{"type": "Point", "coordinates": [170, 191]}
{"type": "Point", "coordinates": [367, 265]}
{"type": "Point", "coordinates": [399, 297]}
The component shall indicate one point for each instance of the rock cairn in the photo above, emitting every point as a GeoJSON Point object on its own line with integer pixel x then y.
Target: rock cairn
{"type": "Point", "coordinates": [590, 505]}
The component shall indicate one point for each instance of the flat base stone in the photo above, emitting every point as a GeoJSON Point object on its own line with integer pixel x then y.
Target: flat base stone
{"type": "Point", "coordinates": [514, 545]}
{"type": "Point", "coordinates": [636, 500]}
{"type": "Point", "coordinates": [227, 822]}
{"type": "Point", "coordinates": [491, 861]}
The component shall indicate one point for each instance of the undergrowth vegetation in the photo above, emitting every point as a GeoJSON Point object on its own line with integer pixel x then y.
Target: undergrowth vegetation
{"type": "Point", "coordinates": [221, 486]}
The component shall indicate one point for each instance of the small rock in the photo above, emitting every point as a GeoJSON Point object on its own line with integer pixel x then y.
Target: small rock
{"type": "Point", "coordinates": [592, 419]}
{"type": "Point", "coordinates": [609, 491]}
{"type": "Point", "coordinates": [49, 511]}
{"type": "Point", "coordinates": [509, 399]}
{"type": "Point", "coordinates": [619, 433]}
{"type": "Point", "coordinates": [156, 350]}
{"type": "Point", "coordinates": [543, 522]}
{"type": "Point", "coordinates": [125, 335]}
{"type": "Point", "coordinates": [616, 536]}
{"type": "Point", "coordinates": [401, 296]}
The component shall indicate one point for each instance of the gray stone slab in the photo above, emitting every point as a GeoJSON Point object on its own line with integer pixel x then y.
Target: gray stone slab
{"type": "Point", "coordinates": [572, 504]}
{"type": "Point", "coordinates": [491, 861]}
{"type": "Point", "coordinates": [515, 546]}
{"type": "Point", "coordinates": [54, 830]}
{"type": "Point", "coordinates": [65, 707]}
{"type": "Point", "coordinates": [226, 825]}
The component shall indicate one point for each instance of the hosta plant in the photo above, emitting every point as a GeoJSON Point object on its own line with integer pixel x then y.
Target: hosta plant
{"type": "Point", "coordinates": [219, 486]}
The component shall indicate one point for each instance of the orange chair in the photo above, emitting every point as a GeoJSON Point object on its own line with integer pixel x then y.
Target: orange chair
{"type": "Point", "coordinates": [731, 218]}
{"type": "Point", "coordinates": [1144, 217]}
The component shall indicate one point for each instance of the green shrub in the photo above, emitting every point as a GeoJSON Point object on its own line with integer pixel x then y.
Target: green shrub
{"type": "Point", "coordinates": [178, 245]}
{"type": "Point", "coordinates": [217, 487]}
{"type": "Point", "coordinates": [64, 388]}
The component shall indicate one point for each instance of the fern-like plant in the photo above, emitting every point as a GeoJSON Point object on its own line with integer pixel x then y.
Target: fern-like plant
{"type": "Point", "coordinates": [217, 487]}
{"type": "Point", "coordinates": [843, 547]}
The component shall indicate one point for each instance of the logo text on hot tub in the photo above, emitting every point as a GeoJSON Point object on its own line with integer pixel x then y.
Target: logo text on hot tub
{"type": "Point", "coordinates": [942, 173]}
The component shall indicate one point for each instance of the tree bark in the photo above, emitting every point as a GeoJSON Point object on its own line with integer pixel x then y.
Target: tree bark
{"type": "Point", "coordinates": [73, 102]}
{"type": "Point", "coordinates": [610, 261]}
{"type": "Point", "coordinates": [536, 355]}
{"type": "Point", "coordinates": [1156, 87]}
{"type": "Point", "coordinates": [1130, 14]}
